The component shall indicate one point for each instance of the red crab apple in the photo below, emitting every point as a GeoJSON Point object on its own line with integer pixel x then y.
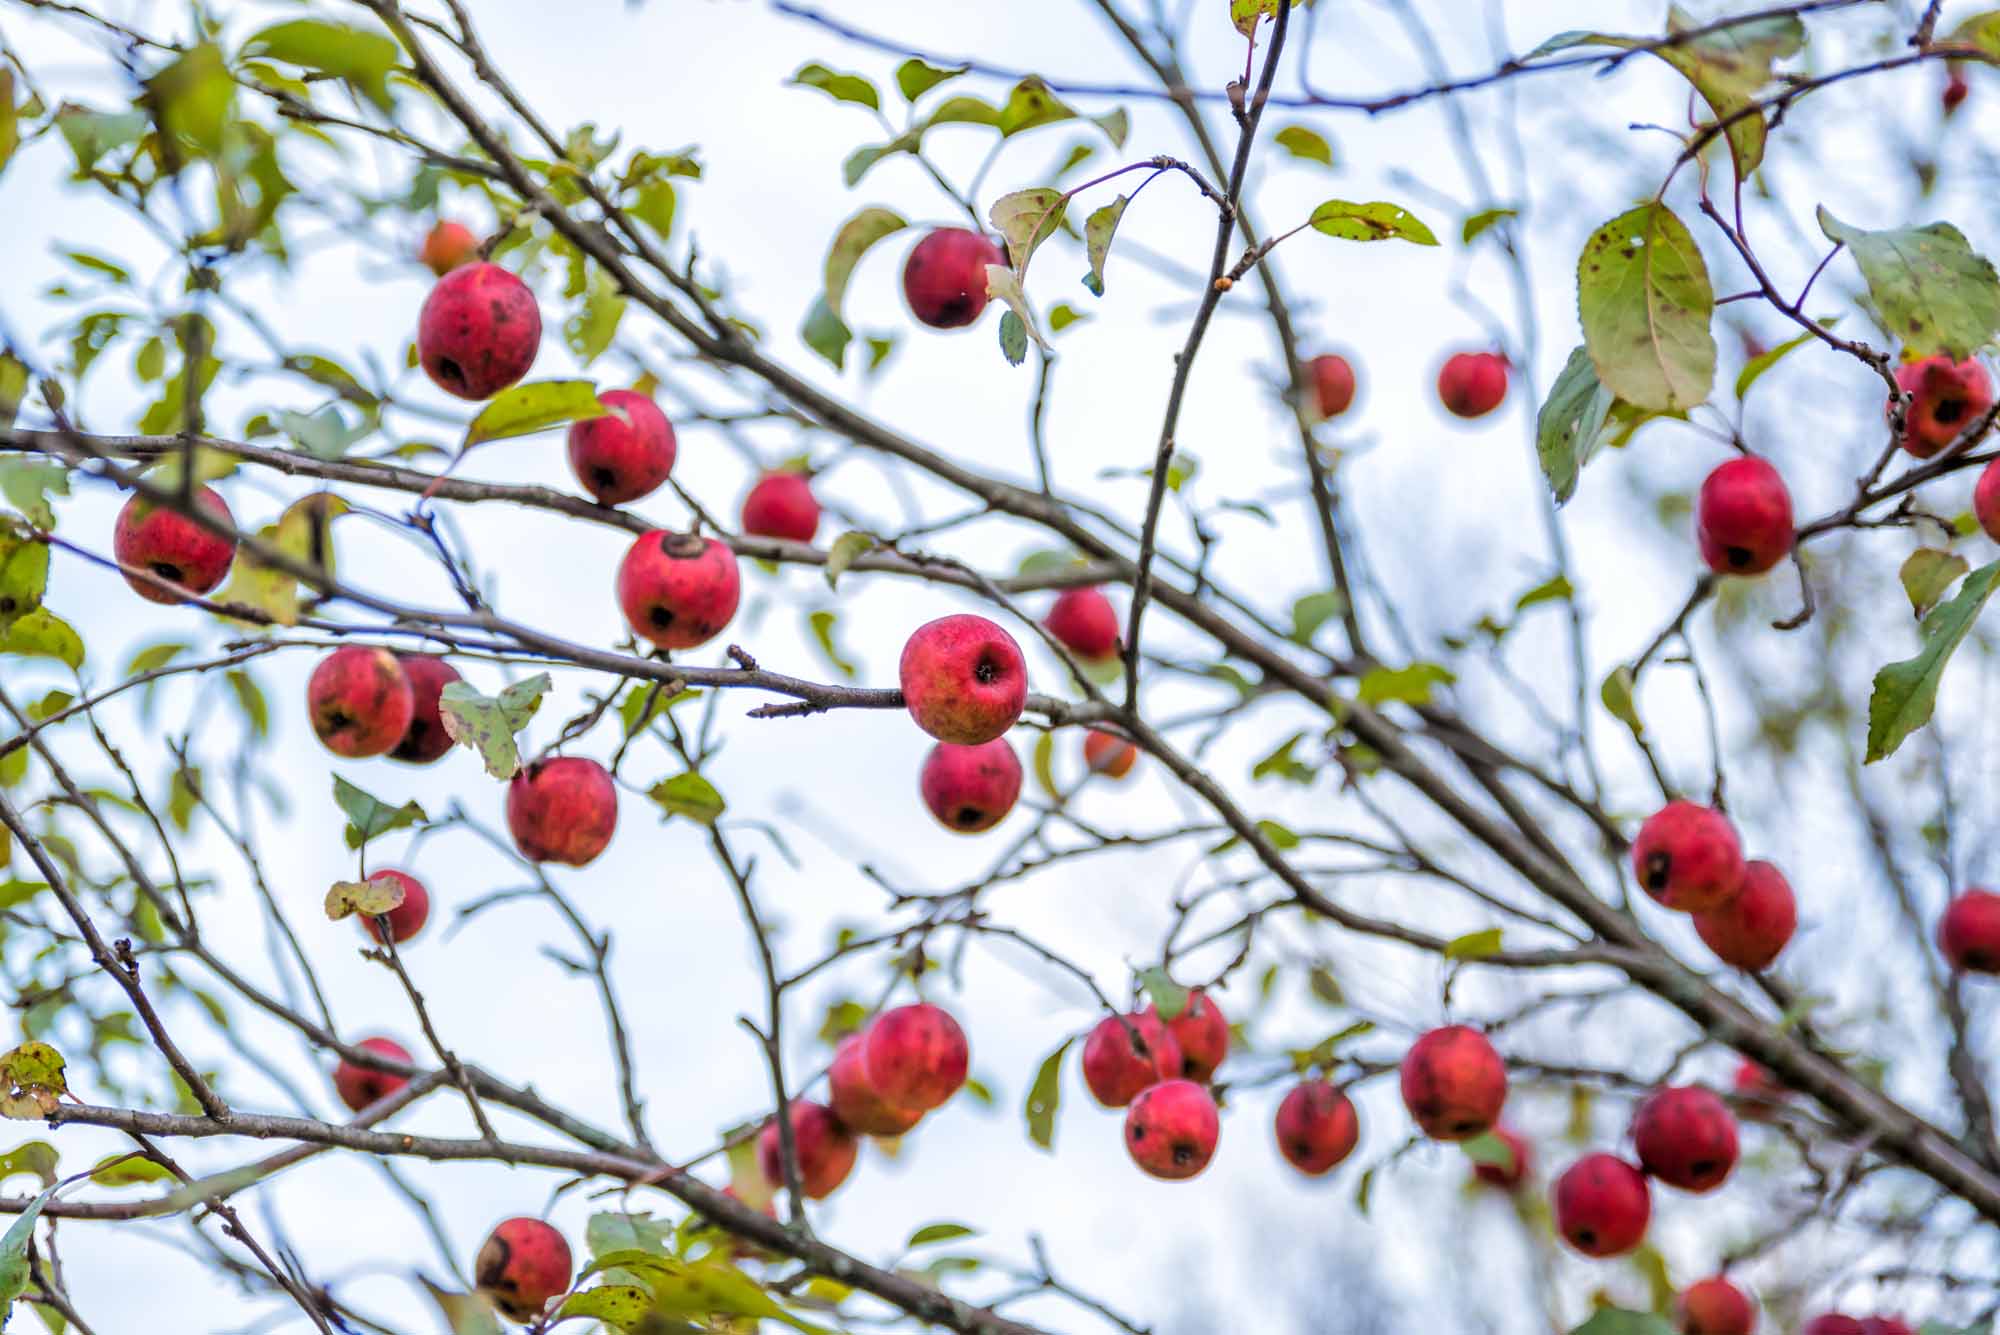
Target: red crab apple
{"type": "Point", "coordinates": [825, 1149]}
{"type": "Point", "coordinates": [167, 543]}
{"type": "Point", "coordinates": [1171, 1129]}
{"type": "Point", "coordinates": [358, 1086]}
{"type": "Point", "coordinates": [1688, 858]}
{"type": "Point", "coordinates": [1986, 500]}
{"type": "Point", "coordinates": [1969, 932]}
{"type": "Point", "coordinates": [781, 505]}
{"type": "Point", "coordinates": [562, 810]}
{"type": "Point", "coordinates": [521, 1266]}
{"type": "Point", "coordinates": [1086, 623]}
{"type": "Point", "coordinates": [1332, 381]}
{"type": "Point", "coordinates": [1316, 1127]}
{"type": "Point", "coordinates": [360, 701]}
{"type": "Point", "coordinates": [1946, 397]}
{"type": "Point", "coordinates": [1833, 1323]}
{"type": "Point", "coordinates": [447, 246]}
{"type": "Point", "coordinates": [407, 918]}
{"type": "Point", "coordinates": [1510, 1173]}
{"type": "Point", "coordinates": [855, 1101]}
{"type": "Point", "coordinates": [1715, 1307]}
{"type": "Point", "coordinates": [1743, 518]}
{"type": "Point", "coordinates": [625, 454]}
{"type": "Point", "coordinates": [425, 740]}
{"type": "Point", "coordinates": [1686, 1137]}
{"type": "Point", "coordinates": [1202, 1033]}
{"type": "Point", "coordinates": [1759, 1088]}
{"type": "Point", "coordinates": [944, 280]}
{"type": "Point", "coordinates": [1602, 1205]}
{"type": "Point", "coordinates": [479, 331]}
{"type": "Point", "coordinates": [1956, 89]}
{"type": "Point", "coordinates": [678, 590]}
{"type": "Point", "coordinates": [971, 788]}
{"type": "Point", "coordinates": [1454, 1083]}
{"type": "Point", "coordinates": [1752, 929]}
{"type": "Point", "coordinates": [916, 1056]}
{"type": "Point", "coordinates": [1108, 754]}
{"type": "Point", "coordinates": [964, 680]}
{"type": "Point", "coordinates": [1126, 1054]}
{"type": "Point", "coordinates": [1472, 384]}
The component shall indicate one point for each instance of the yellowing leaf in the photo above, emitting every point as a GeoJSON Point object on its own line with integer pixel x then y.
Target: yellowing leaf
{"type": "Point", "coordinates": [1374, 221]}
{"type": "Point", "coordinates": [487, 724]}
{"type": "Point", "coordinates": [1644, 295]}
{"type": "Point", "coordinates": [31, 1082]}
{"type": "Point", "coordinates": [536, 406]}
{"type": "Point", "coordinates": [368, 899]}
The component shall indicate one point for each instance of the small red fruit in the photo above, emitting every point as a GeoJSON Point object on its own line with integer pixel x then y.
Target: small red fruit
{"type": "Point", "coordinates": [1752, 929]}
{"type": "Point", "coordinates": [1758, 1086]}
{"type": "Point", "coordinates": [944, 279]}
{"type": "Point", "coordinates": [1513, 1171]}
{"type": "Point", "coordinates": [855, 1101]}
{"type": "Point", "coordinates": [360, 701]}
{"type": "Point", "coordinates": [678, 591]}
{"type": "Point", "coordinates": [624, 454]}
{"type": "Point", "coordinates": [971, 788]}
{"type": "Point", "coordinates": [1473, 384]}
{"type": "Point", "coordinates": [1201, 1031]}
{"type": "Point", "coordinates": [447, 246]}
{"type": "Point", "coordinates": [964, 680]}
{"type": "Point", "coordinates": [916, 1056]}
{"type": "Point", "coordinates": [521, 1267]}
{"type": "Point", "coordinates": [1687, 857]}
{"type": "Point", "coordinates": [824, 1148]}
{"type": "Point", "coordinates": [1743, 518]}
{"type": "Point", "coordinates": [1955, 92]}
{"type": "Point", "coordinates": [1986, 500]}
{"type": "Point", "coordinates": [1454, 1083]}
{"type": "Point", "coordinates": [1316, 1127]}
{"type": "Point", "coordinates": [479, 331]}
{"type": "Point", "coordinates": [1969, 932]}
{"type": "Point", "coordinates": [562, 810]}
{"type": "Point", "coordinates": [1602, 1205]}
{"type": "Point", "coordinates": [407, 918]}
{"type": "Point", "coordinates": [1086, 624]}
{"type": "Point", "coordinates": [358, 1086]}
{"type": "Point", "coordinates": [1109, 754]}
{"type": "Point", "coordinates": [1685, 1137]}
{"type": "Point", "coordinates": [781, 505]}
{"type": "Point", "coordinates": [1716, 1307]}
{"type": "Point", "coordinates": [1332, 381]}
{"type": "Point", "coordinates": [1171, 1129]}
{"type": "Point", "coordinates": [1126, 1054]}
{"type": "Point", "coordinates": [153, 537]}
{"type": "Point", "coordinates": [425, 740]}
{"type": "Point", "coordinates": [1946, 397]}
{"type": "Point", "coordinates": [1834, 1324]}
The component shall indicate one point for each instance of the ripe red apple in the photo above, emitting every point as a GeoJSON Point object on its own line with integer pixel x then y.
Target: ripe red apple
{"type": "Point", "coordinates": [1946, 397]}
{"type": "Point", "coordinates": [1602, 1205]}
{"type": "Point", "coordinates": [678, 590]}
{"type": "Point", "coordinates": [1332, 381]}
{"type": "Point", "coordinates": [359, 1086]}
{"type": "Point", "coordinates": [1969, 932]}
{"type": "Point", "coordinates": [625, 454]}
{"type": "Point", "coordinates": [1202, 1033]}
{"type": "Point", "coordinates": [1752, 929]}
{"type": "Point", "coordinates": [1986, 500]}
{"type": "Point", "coordinates": [360, 701]}
{"type": "Point", "coordinates": [1126, 1054]}
{"type": "Point", "coordinates": [824, 1148]}
{"type": "Point", "coordinates": [1955, 90]}
{"type": "Point", "coordinates": [562, 810]}
{"type": "Point", "coordinates": [916, 1056]}
{"type": "Point", "coordinates": [855, 1101]}
{"type": "Point", "coordinates": [1743, 518]}
{"type": "Point", "coordinates": [1171, 1129]}
{"type": "Point", "coordinates": [479, 331]}
{"type": "Point", "coordinates": [781, 505]}
{"type": "Point", "coordinates": [944, 279]}
{"type": "Point", "coordinates": [1833, 1323]}
{"type": "Point", "coordinates": [169, 544]}
{"type": "Point", "coordinates": [1454, 1083]}
{"type": "Point", "coordinates": [1686, 1137]}
{"type": "Point", "coordinates": [1316, 1127]}
{"type": "Point", "coordinates": [1086, 623]}
{"type": "Point", "coordinates": [447, 246]}
{"type": "Point", "coordinates": [1512, 1173]}
{"type": "Point", "coordinates": [407, 918]}
{"type": "Point", "coordinates": [1688, 858]}
{"type": "Point", "coordinates": [522, 1265]}
{"type": "Point", "coordinates": [964, 680]}
{"type": "Point", "coordinates": [1473, 384]}
{"type": "Point", "coordinates": [1109, 754]}
{"type": "Point", "coordinates": [1716, 1307]}
{"type": "Point", "coordinates": [971, 788]}
{"type": "Point", "coordinates": [425, 740]}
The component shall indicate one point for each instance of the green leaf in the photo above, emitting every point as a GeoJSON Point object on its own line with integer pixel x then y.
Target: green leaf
{"type": "Point", "coordinates": [1030, 105]}
{"type": "Point", "coordinates": [1169, 996]}
{"type": "Point", "coordinates": [31, 1082]}
{"type": "Point", "coordinates": [1013, 338]}
{"type": "Point", "coordinates": [27, 485]}
{"type": "Point", "coordinates": [1931, 290]}
{"type": "Point", "coordinates": [369, 816]}
{"type": "Point", "coordinates": [914, 78]}
{"type": "Point", "coordinates": [1753, 370]}
{"type": "Point", "coordinates": [1906, 693]}
{"type": "Point", "coordinates": [367, 899]}
{"type": "Point", "coordinates": [845, 549]}
{"type": "Point", "coordinates": [250, 699]}
{"type": "Point", "coordinates": [850, 243]}
{"type": "Point", "coordinates": [92, 134]}
{"type": "Point", "coordinates": [526, 409]}
{"type": "Point", "coordinates": [1490, 1150]}
{"type": "Point", "coordinates": [24, 575]}
{"type": "Point", "coordinates": [840, 87]}
{"type": "Point", "coordinates": [1026, 218]}
{"type": "Point", "coordinates": [1928, 573]}
{"type": "Point", "coordinates": [10, 128]}
{"type": "Point", "coordinates": [1408, 685]}
{"type": "Point", "coordinates": [14, 1269]}
{"type": "Point", "coordinates": [1481, 222]}
{"type": "Point", "coordinates": [1644, 295]}
{"type": "Point", "coordinates": [128, 1170]}
{"type": "Point", "coordinates": [1004, 284]}
{"type": "Point", "coordinates": [1045, 1098]}
{"type": "Point", "coordinates": [13, 390]}
{"type": "Point", "coordinates": [589, 332]}
{"type": "Point", "coordinates": [1375, 221]}
{"type": "Point", "coordinates": [930, 1233]}
{"type": "Point", "coordinates": [1246, 14]}
{"type": "Point", "coordinates": [1613, 1321]}
{"type": "Point", "coordinates": [34, 1158]}
{"type": "Point", "coordinates": [1098, 230]}
{"type": "Point", "coordinates": [464, 1313]}
{"type": "Point", "coordinates": [1281, 764]}
{"type": "Point", "coordinates": [711, 1287]}
{"type": "Point", "coordinates": [861, 159]}
{"type": "Point", "coordinates": [154, 656]}
{"type": "Point", "coordinates": [1044, 764]}
{"type": "Point", "coordinates": [191, 98]}
{"type": "Point", "coordinates": [359, 58]}
{"type": "Point", "coordinates": [1616, 693]}
{"type": "Point", "coordinates": [688, 795]}
{"type": "Point", "coordinates": [1473, 945]}
{"type": "Point", "coordinates": [624, 1306]}
{"type": "Point", "coordinates": [43, 634]}
{"type": "Point", "coordinates": [648, 701]}
{"type": "Point", "coordinates": [822, 623]}
{"type": "Point", "coordinates": [1062, 315]}
{"type": "Point", "coordinates": [1556, 590]}
{"type": "Point", "coordinates": [1303, 142]}
{"type": "Point", "coordinates": [827, 334]}
{"type": "Point", "coordinates": [488, 724]}
{"type": "Point", "coordinates": [1313, 611]}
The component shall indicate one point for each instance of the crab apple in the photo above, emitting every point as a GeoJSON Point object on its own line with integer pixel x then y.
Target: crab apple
{"type": "Point", "coordinates": [1126, 1054]}
{"type": "Point", "coordinates": [1755, 1085]}
{"type": "Point", "coordinates": [781, 505]}
{"type": "Point", "coordinates": [1602, 1205]}
{"type": "Point", "coordinates": [625, 454]}
{"type": "Point", "coordinates": [1743, 518]}
{"type": "Point", "coordinates": [1171, 1129]}
{"type": "Point", "coordinates": [447, 246]}
{"type": "Point", "coordinates": [1316, 1127]}
{"type": "Point", "coordinates": [153, 537]}
{"type": "Point", "coordinates": [1885, 1325]}
{"type": "Point", "coordinates": [360, 701]}
{"type": "Point", "coordinates": [1332, 380]}
{"type": "Point", "coordinates": [1833, 1323]}
{"type": "Point", "coordinates": [358, 1086]}
{"type": "Point", "coordinates": [1956, 90]}
{"type": "Point", "coordinates": [521, 1266]}
{"type": "Point", "coordinates": [1454, 1083]}
{"type": "Point", "coordinates": [407, 918]}
{"type": "Point", "coordinates": [916, 1056]}
{"type": "Point", "coordinates": [1472, 384]}
{"type": "Point", "coordinates": [1946, 397]}
{"type": "Point", "coordinates": [425, 740]}
{"type": "Point", "coordinates": [678, 590]}
{"type": "Point", "coordinates": [479, 331]}
{"type": "Point", "coordinates": [1202, 1033]}
{"type": "Point", "coordinates": [1086, 623]}
{"type": "Point", "coordinates": [964, 680]}
{"type": "Point", "coordinates": [1969, 932]}
{"type": "Point", "coordinates": [1685, 1137]}
{"type": "Point", "coordinates": [1986, 500]}
{"type": "Point", "coordinates": [1714, 1306]}
{"type": "Point", "coordinates": [855, 1101]}
{"type": "Point", "coordinates": [1109, 754]}
{"type": "Point", "coordinates": [824, 1147]}
{"type": "Point", "coordinates": [971, 788]}
{"type": "Point", "coordinates": [1688, 858]}
{"type": "Point", "coordinates": [944, 280]}
{"type": "Point", "coordinates": [1514, 1171]}
{"type": "Point", "coordinates": [1752, 929]}
{"type": "Point", "coordinates": [562, 810]}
